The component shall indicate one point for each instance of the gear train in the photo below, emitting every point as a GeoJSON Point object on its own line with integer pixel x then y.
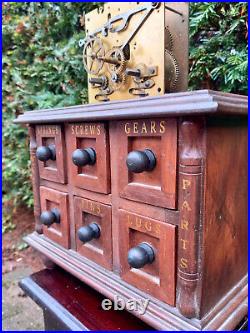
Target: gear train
{"type": "Point", "coordinates": [138, 50]}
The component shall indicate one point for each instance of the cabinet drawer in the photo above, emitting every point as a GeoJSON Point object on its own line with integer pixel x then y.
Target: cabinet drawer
{"type": "Point", "coordinates": [51, 153]}
{"type": "Point", "coordinates": [88, 156]}
{"type": "Point", "coordinates": [54, 216]}
{"type": "Point", "coordinates": [147, 161]}
{"type": "Point", "coordinates": [147, 255]}
{"type": "Point", "coordinates": [93, 231]}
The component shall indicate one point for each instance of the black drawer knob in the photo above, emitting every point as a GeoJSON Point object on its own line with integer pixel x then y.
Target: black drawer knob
{"type": "Point", "coordinates": [140, 161]}
{"type": "Point", "coordinates": [141, 255]}
{"type": "Point", "coordinates": [89, 232]}
{"type": "Point", "coordinates": [82, 157]}
{"type": "Point", "coordinates": [45, 153]}
{"type": "Point", "coordinates": [49, 217]}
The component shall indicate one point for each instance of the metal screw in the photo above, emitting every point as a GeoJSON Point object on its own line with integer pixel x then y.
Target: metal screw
{"type": "Point", "coordinates": [114, 77]}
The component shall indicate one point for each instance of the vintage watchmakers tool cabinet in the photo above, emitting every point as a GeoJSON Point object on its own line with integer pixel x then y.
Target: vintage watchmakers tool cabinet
{"type": "Point", "coordinates": [144, 196]}
{"type": "Point", "coordinates": [146, 199]}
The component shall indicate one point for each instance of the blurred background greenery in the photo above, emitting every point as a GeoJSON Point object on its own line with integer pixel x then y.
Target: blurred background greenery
{"type": "Point", "coordinates": [42, 68]}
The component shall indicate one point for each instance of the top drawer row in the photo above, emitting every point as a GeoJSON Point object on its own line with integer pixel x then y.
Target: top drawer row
{"type": "Point", "coordinates": [144, 153]}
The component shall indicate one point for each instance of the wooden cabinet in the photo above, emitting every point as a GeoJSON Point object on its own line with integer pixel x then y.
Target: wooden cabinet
{"type": "Point", "coordinates": [51, 145]}
{"type": "Point", "coordinates": [55, 202]}
{"type": "Point", "coordinates": [93, 231]}
{"type": "Point", "coordinates": [146, 199]}
{"type": "Point", "coordinates": [88, 156]}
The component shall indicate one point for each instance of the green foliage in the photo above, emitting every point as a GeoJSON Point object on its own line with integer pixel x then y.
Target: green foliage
{"type": "Point", "coordinates": [42, 68]}
{"type": "Point", "coordinates": [218, 46]}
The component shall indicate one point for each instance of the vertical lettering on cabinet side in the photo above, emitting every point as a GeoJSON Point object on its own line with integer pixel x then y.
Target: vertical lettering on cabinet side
{"type": "Point", "coordinates": [190, 204]}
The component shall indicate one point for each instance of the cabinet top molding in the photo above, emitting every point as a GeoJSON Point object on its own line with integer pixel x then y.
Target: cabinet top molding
{"type": "Point", "coordinates": [200, 102]}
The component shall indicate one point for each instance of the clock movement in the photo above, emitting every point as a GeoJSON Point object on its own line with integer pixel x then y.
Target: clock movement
{"type": "Point", "coordinates": [136, 49]}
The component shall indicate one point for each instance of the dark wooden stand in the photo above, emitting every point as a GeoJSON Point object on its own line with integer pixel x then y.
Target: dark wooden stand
{"type": "Point", "coordinates": [70, 305]}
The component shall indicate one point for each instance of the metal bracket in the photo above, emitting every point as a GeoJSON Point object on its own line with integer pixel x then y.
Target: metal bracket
{"type": "Point", "coordinates": [140, 89]}
{"type": "Point", "coordinates": [102, 95]}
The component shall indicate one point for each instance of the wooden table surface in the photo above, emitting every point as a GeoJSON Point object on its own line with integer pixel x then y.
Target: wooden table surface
{"type": "Point", "coordinates": [72, 305]}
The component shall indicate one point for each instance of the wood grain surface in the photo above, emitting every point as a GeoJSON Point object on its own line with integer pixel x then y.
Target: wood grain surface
{"type": "Point", "coordinates": [192, 208]}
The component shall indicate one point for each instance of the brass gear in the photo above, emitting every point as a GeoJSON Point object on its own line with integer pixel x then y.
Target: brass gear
{"type": "Point", "coordinates": [117, 80]}
{"type": "Point", "coordinates": [172, 72]}
{"type": "Point", "coordinates": [169, 42]}
{"type": "Point", "coordinates": [117, 54]}
{"type": "Point", "coordinates": [93, 50]}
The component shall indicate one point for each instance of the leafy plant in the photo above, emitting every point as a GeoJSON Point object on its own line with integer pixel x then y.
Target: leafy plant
{"type": "Point", "coordinates": [218, 46]}
{"type": "Point", "coordinates": [42, 68]}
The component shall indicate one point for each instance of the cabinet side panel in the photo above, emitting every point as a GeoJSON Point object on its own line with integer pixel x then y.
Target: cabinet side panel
{"type": "Point", "coordinates": [225, 227]}
{"type": "Point", "coordinates": [35, 178]}
{"type": "Point", "coordinates": [191, 166]}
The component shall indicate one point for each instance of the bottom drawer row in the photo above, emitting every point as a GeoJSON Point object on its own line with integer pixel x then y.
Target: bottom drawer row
{"type": "Point", "coordinates": [146, 246]}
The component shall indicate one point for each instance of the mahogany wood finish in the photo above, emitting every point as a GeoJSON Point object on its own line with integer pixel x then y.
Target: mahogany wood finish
{"type": "Point", "coordinates": [94, 177]}
{"type": "Point", "coordinates": [200, 102]}
{"type": "Point", "coordinates": [98, 250]}
{"type": "Point", "coordinates": [74, 306]}
{"type": "Point", "coordinates": [226, 233]}
{"type": "Point", "coordinates": [190, 208]}
{"type": "Point", "coordinates": [156, 187]}
{"type": "Point", "coordinates": [191, 156]}
{"type": "Point", "coordinates": [70, 305]}
{"type": "Point", "coordinates": [52, 199]}
{"type": "Point", "coordinates": [52, 169]}
{"type": "Point", "coordinates": [158, 277]}
{"type": "Point", "coordinates": [35, 179]}
{"type": "Point", "coordinates": [224, 316]}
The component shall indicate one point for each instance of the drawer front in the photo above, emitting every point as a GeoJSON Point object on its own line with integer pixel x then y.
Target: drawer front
{"type": "Point", "coordinates": [88, 156]}
{"type": "Point", "coordinates": [93, 231]}
{"type": "Point", "coordinates": [147, 161]}
{"type": "Point", "coordinates": [51, 153]}
{"type": "Point", "coordinates": [147, 255]}
{"type": "Point", "coordinates": [54, 215]}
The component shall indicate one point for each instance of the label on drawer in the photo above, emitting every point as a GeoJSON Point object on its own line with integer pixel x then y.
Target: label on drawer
{"type": "Point", "coordinates": [145, 127]}
{"type": "Point", "coordinates": [88, 156]}
{"type": "Point", "coordinates": [146, 156]}
{"type": "Point", "coordinates": [93, 231]}
{"type": "Point", "coordinates": [156, 275]}
{"type": "Point", "coordinates": [51, 167]}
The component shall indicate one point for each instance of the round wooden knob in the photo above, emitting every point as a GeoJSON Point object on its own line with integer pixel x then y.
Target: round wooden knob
{"type": "Point", "coordinates": [141, 255]}
{"type": "Point", "coordinates": [45, 153]}
{"type": "Point", "coordinates": [49, 217]}
{"type": "Point", "coordinates": [82, 157]}
{"type": "Point", "coordinates": [89, 232]}
{"type": "Point", "coordinates": [140, 161]}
